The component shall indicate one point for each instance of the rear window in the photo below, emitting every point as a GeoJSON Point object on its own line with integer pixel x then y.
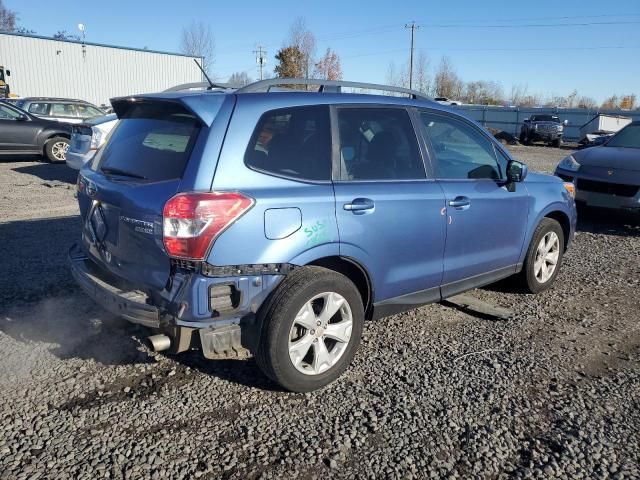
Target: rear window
{"type": "Point", "coordinates": [293, 142]}
{"type": "Point", "coordinates": [152, 142]}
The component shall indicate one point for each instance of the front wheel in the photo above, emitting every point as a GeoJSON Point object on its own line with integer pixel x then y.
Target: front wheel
{"type": "Point", "coordinates": [311, 329]}
{"type": "Point", "coordinates": [557, 143]}
{"type": "Point", "coordinates": [544, 257]}
{"type": "Point", "coordinates": [56, 149]}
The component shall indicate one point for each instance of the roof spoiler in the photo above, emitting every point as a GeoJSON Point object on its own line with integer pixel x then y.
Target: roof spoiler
{"type": "Point", "coordinates": [195, 104]}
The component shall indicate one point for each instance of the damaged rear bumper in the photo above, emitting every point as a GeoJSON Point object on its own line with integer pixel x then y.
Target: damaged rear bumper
{"type": "Point", "coordinates": [221, 309]}
{"type": "Point", "coordinates": [130, 304]}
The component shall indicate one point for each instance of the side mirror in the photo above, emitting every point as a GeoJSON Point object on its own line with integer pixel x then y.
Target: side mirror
{"type": "Point", "coordinates": [565, 123]}
{"type": "Point", "coordinates": [516, 171]}
{"type": "Point", "coordinates": [526, 120]}
{"type": "Point", "coordinates": [8, 73]}
{"type": "Point", "coordinates": [22, 117]}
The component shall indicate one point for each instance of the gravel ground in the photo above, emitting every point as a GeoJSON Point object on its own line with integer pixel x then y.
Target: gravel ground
{"type": "Point", "coordinates": [433, 393]}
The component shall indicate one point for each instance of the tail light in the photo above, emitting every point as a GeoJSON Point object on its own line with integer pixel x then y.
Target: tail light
{"type": "Point", "coordinates": [192, 221]}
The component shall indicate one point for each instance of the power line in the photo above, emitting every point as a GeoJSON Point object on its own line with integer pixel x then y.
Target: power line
{"type": "Point", "coordinates": [413, 28]}
{"type": "Point", "coordinates": [531, 25]}
{"type": "Point", "coordinates": [398, 50]}
{"type": "Point", "coordinates": [390, 28]}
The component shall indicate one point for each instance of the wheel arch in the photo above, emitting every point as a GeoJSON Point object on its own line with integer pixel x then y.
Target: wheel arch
{"type": "Point", "coordinates": [563, 219]}
{"type": "Point", "coordinates": [355, 272]}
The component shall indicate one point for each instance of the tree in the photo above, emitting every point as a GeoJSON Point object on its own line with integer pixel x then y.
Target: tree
{"type": "Point", "coordinates": [587, 102]}
{"type": "Point", "coordinates": [328, 67]}
{"type": "Point", "coordinates": [290, 63]}
{"type": "Point", "coordinates": [8, 18]}
{"type": "Point", "coordinates": [302, 38]}
{"type": "Point", "coordinates": [198, 41]}
{"type": "Point", "coordinates": [421, 77]}
{"type": "Point", "coordinates": [483, 92]}
{"type": "Point", "coordinates": [610, 103]}
{"type": "Point", "coordinates": [64, 35]}
{"type": "Point", "coordinates": [447, 82]}
{"type": "Point", "coordinates": [240, 79]}
{"type": "Point", "coordinates": [628, 102]}
{"type": "Point", "coordinates": [518, 92]}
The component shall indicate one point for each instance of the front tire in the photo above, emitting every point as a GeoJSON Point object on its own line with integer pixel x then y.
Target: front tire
{"type": "Point", "coordinates": [56, 149]}
{"type": "Point", "coordinates": [544, 256]}
{"type": "Point", "coordinates": [557, 143]}
{"type": "Point", "coordinates": [311, 329]}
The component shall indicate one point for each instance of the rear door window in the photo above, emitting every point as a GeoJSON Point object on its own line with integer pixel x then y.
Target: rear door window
{"type": "Point", "coordinates": [293, 142]}
{"type": "Point", "coordinates": [152, 142]}
{"type": "Point", "coordinates": [378, 144]}
{"type": "Point", "coordinates": [39, 108]}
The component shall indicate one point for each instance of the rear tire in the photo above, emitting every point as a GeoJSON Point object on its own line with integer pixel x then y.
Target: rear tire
{"type": "Point", "coordinates": [299, 347]}
{"type": "Point", "coordinates": [56, 149]}
{"type": "Point", "coordinates": [546, 247]}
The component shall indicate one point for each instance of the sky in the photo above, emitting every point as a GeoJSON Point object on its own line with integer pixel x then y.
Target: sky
{"type": "Point", "coordinates": [595, 50]}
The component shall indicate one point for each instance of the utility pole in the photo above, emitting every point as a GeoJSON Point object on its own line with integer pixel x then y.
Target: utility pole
{"type": "Point", "coordinates": [413, 28]}
{"type": "Point", "coordinates": [261, 58]}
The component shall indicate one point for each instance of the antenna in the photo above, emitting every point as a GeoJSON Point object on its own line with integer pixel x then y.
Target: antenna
{"type": "Point", "coordinates": [205, 74]}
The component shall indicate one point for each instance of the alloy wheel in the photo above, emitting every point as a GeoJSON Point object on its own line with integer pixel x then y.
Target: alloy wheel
{"type": "Point", "coordinates": [547, 256]}
{"type": "Point", "coordinates": [320, 333]}
{"type": "Point", "coordinates": [59, 150]}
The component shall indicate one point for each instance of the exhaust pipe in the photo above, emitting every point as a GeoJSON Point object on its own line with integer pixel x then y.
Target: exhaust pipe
{"type": "Point", "coordinates": [159, 342]}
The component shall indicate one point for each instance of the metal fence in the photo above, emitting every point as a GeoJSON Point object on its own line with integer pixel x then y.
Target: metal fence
{"type": "Point", "coordinates": [510, 119]}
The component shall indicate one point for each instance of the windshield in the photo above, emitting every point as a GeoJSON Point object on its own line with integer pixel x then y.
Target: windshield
{"type": "Point", "coordinates": [628, 137]}
{"type": "Point", "coordinates": [545, 118]}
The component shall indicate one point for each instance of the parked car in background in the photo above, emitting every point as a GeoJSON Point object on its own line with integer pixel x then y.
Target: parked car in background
{"type": "Point", "coordinates": [278, 222]}
{"type": "Point", "coordinates": [446, 101]}
{"type": "Point", "coordinates": [607, 175]}
{"type": "Point", "coordinates": [24, 134]}
{"type": "Point", "coordinates": [87, 138]}
{"type": "Point", "coordinates": [60, 109]}
{"type": "Point", "coordinates": [543, 128]}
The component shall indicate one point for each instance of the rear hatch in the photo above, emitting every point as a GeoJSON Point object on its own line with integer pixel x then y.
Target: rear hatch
{"type": "Point", "coordinates": [123, 192]}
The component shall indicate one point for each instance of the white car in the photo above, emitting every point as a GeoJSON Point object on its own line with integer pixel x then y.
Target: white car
{"type": "Point", "coordinates": [446, 101]}
{"type": "Point", "coordinates": [87, 138]}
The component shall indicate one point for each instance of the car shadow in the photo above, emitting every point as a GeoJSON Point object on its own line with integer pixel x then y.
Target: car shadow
{"type": "Point", "coordinates": [241, 371]}
{"type": "Point", "coordinates": [608, 221]}
{"type": "Point", "coordinates": [20, 158]}
{"type": "Point", "coordinates": [50, 172]}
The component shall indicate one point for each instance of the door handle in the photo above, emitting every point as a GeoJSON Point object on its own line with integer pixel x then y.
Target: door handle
{"type": "Point", "coordinates": [460, 203]}
{"type": "Point", "coordinates": [359, 205]}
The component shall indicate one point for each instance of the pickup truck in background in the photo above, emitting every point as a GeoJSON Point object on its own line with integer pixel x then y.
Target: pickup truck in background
{"type": "Point", "coordinates": [543, 128]}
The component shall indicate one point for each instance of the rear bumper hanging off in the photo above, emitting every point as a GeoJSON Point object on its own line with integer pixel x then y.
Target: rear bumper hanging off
{"type": "Point", "coordinates": [129, 304]}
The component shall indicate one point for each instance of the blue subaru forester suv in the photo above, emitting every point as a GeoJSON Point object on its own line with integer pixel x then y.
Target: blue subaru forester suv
{"type": "Point", "coordinates": [272, 223]}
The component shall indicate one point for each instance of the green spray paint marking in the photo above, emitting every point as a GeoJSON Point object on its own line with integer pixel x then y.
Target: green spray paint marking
{"type": "Point", "coordinates": [316, 233]}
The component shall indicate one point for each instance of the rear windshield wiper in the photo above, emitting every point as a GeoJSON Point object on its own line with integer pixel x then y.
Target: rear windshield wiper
{"type": "Point", "coordinates": [124, 173]}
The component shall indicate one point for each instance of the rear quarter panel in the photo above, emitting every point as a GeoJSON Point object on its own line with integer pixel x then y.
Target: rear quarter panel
{"type": "Point", "coordinates": [305, 237]}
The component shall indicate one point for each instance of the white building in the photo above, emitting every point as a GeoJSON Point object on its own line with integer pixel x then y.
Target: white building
{"type": "Point", "coordinates": [44, 67]}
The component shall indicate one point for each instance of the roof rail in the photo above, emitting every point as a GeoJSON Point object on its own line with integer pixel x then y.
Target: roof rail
{"type": "Point", "coordinates": [202, 85]}
{"type": "Point", "coordinates": [334, 86]}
